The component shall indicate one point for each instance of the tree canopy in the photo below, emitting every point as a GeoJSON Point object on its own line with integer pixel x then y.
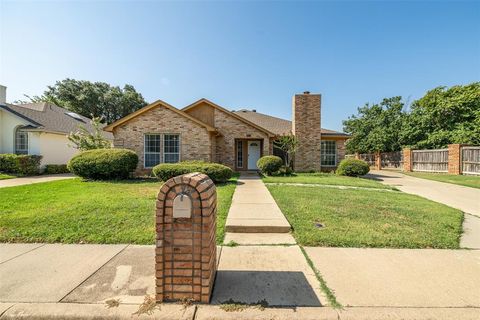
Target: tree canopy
{"type": "Point", "coordinates": [441, 117]}
{"type": "Point", "coordinates": [93, 99]}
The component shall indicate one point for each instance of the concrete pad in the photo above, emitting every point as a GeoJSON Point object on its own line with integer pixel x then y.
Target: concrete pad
{"type": "Point", "coordinates": [278, 275]}
{"type": "Point", "coordinates": [60, 311]}
{"type": "Point", "coordinates": [259, 238]}
{"type": "Point", "coordinates": [205, 312]}
{"type": "Point", "coordinates": [50, 272]}
{"type": "Point", "coordinates": [408, 313]}
{"type": "Point", "coordinates": [129, 276]}
{"type": "Point", "coordinates": [11, 250]}
{"type": "Point", "coordinates": [4, 307]}
{"type": "Point", "coordinates": [471, 232]}
{"type": "Point", "coordinates": [400, 277]}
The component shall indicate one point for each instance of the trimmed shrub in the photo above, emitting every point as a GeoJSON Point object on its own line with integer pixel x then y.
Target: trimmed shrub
{"type": "Point", "coordinates": [217, 172]}
{"type": "Point", "coordinates": [353, 168]}
{"type": "Point", "coordinates": [9, 163]}
{"type": "Point", "coordinates": [56, 169]}
{"type": "Point", "coordinates": [24, 164]}
{"type": "Point", "coordinates": [269, 164]}
{"type": "Point", "coordinates": [103, 164]}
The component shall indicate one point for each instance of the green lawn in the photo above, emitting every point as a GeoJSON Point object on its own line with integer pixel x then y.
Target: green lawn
{"type": "Point", "coordinates": [326, 179]}
{"type": "Point", "coordinates": [367, 218]}
{"type": "Point", "coordinates": [468, 181]}
{"type": "Point", "coordinates": [74, 211]}
{"type": "Point", "coordinates": [4, 176]}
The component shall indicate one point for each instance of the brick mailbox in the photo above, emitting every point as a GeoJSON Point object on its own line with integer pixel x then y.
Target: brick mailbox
{"type": "Point", "coordinates": [185, 254]}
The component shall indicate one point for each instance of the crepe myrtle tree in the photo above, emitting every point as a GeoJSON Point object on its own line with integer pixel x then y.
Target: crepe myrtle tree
{"type": "Point", "coordinates": [83, 139]}
{"type": "Point", "coordinates": [288, 144]}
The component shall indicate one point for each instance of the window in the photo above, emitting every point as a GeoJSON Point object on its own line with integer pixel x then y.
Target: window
{"type": "Point", "coordinates": [239, 154]}
{"type": "Point", "coordinates": [21, 141]}
{"type": "Point", "coordinates": [328, 153]}
{"type": "Point", "coordinates": [161, 148]}
{"type": "Point", "coordinates": [152, 150]}
{"type": "Point", "coordinates": [171, 148]}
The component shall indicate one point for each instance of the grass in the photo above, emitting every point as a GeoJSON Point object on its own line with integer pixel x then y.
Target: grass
{"type": "Point", "coordinates": [326, 179]}
{"type": "Point", "coordinates": [75, 211]}
{"type": "Point", "coordinates": [4, 176]}
{"type": "Point", "coordinates": [367, 218]}
{"type": "Point", "coordinates": [467, 181]}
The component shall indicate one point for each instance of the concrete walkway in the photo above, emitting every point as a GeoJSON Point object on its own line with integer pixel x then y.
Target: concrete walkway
{"type": "Point", "coordinates": [253, 208]}
{"type": "Point", "coordinates": [53, 281]}
{"type": "Point", "coordinates": [34, 179]}
{"type": "Point", "coordinates": [463, 198]}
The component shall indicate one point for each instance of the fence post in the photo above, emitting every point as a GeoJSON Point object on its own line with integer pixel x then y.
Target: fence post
{"type": "Point", "coordinates": [357, 155]}
{"type": "Point", "coordinates": [407, 159]}
{"type": "Point", "coordinates": [378, 160]}
{"type": "Point", "coordinates": [454, 159]}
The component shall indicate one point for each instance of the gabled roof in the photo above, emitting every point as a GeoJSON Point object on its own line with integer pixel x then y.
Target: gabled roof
{"type": "Point", "coordinates": [277, 125]}
{"type": "Point", "coordinates": [155, 104]}
{"type": "Point", "coordinates": [47, 117]}
{"type": "Point", "coordinates": [233, 114]}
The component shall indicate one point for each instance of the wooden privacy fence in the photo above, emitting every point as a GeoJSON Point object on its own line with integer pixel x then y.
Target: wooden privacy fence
{"type": "Point", "coordinates": [392, 160]}
{"type": "Point", "coordinates": [471, 160]}
{"type": "Point", "coordinates": [430, 160]}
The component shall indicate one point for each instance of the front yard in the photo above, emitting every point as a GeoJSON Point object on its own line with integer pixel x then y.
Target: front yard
{"type": "Point", "coordinates": [325, 179]}
{"type": "Point", "coordinates": [467, 181]}
{"type": "Point", "coordinates": [74, 211]}
{"type": "Point", "coordinates": [322, 216]}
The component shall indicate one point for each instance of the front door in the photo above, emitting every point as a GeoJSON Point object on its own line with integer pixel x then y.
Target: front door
{"type": "Point", "coordinates": [253, 154]}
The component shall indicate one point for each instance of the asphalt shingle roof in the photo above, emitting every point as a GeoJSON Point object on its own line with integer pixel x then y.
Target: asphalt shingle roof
{"type": "Point", "coordinates": [276, 125]}
{"type": "Point", "coordinates": [51, 118]}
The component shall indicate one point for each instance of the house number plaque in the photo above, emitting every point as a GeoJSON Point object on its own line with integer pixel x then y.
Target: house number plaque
{"type": "Point", "coordinates": [182, 206]}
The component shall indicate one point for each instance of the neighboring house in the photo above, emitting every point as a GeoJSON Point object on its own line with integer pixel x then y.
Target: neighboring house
{"type": "Point", "coordinates": [206, 131]}
{"type": "Point", "coordinates": [40, 129]}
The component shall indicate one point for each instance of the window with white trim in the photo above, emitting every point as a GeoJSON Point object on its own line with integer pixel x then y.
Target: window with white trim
{"type": "Point", "coordinates": [171, 148]}
{"type": "Point", "coordinates": [21, 141]}
{"type": "Point", "coordinates": [161, 148]}
{"type": "Point", "coordinates": [152, 150]}
{"type": "Point", "coordinates": [328, 153]}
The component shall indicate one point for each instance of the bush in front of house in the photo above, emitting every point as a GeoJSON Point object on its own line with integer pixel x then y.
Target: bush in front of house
{"type": "Point", "coordinates": [104, 164]}
{"type": "Point", "coordinates": [24, 164]}
{"type": "Point", "coordinates": [217, 172]}
{"type": "Point", "coordinates": [353, 168]}
{"type": "Point", "coordinates": [269, 164]}
{"type": "Point", "coordinates": [56, 169]}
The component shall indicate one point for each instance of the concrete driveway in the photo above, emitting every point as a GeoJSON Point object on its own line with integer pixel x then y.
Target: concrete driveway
{"type": "Point", "coordinates": [34, 179]}
{"type": "Point", "coordinates": [464, 198]}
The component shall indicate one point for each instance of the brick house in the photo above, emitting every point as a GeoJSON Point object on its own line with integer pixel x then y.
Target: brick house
{"type": "Point", "coordinates": [206, 131]}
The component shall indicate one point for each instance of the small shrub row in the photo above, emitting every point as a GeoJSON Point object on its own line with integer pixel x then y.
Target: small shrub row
{"type": "Point", "coordinates": [353, 168]}
{"type": "Point", "coordinates": [269, 164]}
{"type": "Point", "coordinates": [217, 172]}
{"type": "Point", "coordinates": [56, 169]}
{"type": "Point", "coordinates": [20, 164]}
{"type": "Point", "coordinates": [103, 164]}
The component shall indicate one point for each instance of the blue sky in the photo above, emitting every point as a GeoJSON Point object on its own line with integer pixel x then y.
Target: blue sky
{"type": "Point", "coordinates": [252, 55]}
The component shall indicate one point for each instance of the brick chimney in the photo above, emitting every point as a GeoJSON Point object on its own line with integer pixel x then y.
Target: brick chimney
{"type": "Point", "coordinates": [306, 127]}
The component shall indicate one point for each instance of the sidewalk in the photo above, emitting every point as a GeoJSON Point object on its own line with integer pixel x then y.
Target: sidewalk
{"type": "Point", "coordinates": [52, 281]}
{"type": "Point", "coordinates": [34, 179]}
{"type": "Point", "coordinates": [463, 198]}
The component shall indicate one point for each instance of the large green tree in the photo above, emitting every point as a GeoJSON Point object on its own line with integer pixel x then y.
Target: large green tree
{"type": "Point", "coordinates": [444, 116]}
{"type": "Point", "coordinates": [97, 99]}
{"type": "Point", "coordinates": [376, 127]}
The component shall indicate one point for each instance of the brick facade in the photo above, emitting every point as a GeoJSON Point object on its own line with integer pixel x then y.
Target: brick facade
{"type": "Point", "coordinates": [185, 254]}
{"type": "Point", "coordinates": [195, 140]}
{"type": "Point", "coordinates": [230, 129]}
{"type": "Point", "coordinates": [454, 159]}
{"type": "Point", "coordinates": [306, 127]}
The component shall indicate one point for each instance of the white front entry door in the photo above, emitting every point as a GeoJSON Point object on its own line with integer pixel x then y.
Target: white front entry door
{"type": "Point", "coordinates": [253, 154]}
